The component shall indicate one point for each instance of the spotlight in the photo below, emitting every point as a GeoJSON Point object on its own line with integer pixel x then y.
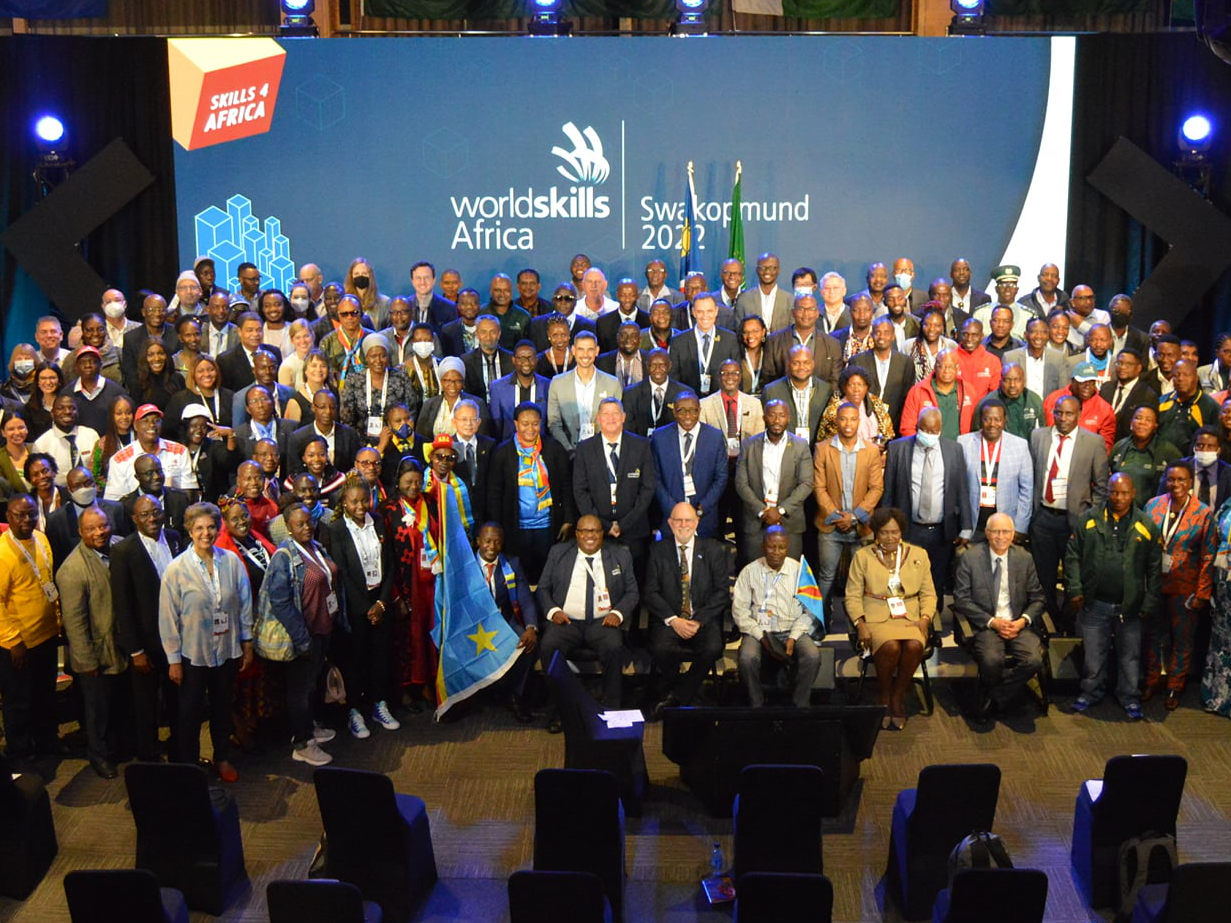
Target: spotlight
{"type": "Point", "coordinates": [967, 17]}
{"type": "Point", "coordinates": [54, 163]}
{"type": "Point", "coordinates": [49, 130]}
{"type": "Point", "coordinates": [1196, 132]}
{"type": "Point", "coordinates": [692, 17]}
{"type": "Point", "coordinates": [297, 19]}
{"type": "Point", "coordinates": [545, 18]}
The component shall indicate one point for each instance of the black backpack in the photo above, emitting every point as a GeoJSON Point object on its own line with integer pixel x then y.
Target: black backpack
{"type": "Point", "coordinates": [981, 850]}
{"type": "Point", "coordinates": [1143, 860]}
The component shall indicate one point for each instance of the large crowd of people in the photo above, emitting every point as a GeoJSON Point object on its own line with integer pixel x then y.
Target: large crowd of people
{"type": "Point", "coordinates": [230, 507]}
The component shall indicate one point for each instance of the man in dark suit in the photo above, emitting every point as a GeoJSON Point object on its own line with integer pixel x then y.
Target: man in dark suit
{"type": "Point", "coordinates": [925, 478]}
{"type": "Point", "coordinates": [963, 297]}
{"type": "Point", "coordinates": [997, 589]}
{"type": "Point", "coordinates": [1126, 390]}
{"type": "Point", "coordinates": [1123, 334]}
{"type": "Point", "coordinates": [826, 352]}
{"type": "Point", "coordinates": [890, 373]}
{"type": "Point", "coordinates": [608, 325]}
{"type": "Point", "coordinates": [1211, 475]}
{"type": "Point", "coordinates": [342, 441]}
{"type": "Point", "coordinates": [487, 361]}
{"type": "Point", "coordinates": [474, 452]}
{"type": "Point", "coordinates": [235, 365]}
{"type": "Point", "coordinates": [532, 534]}
{"type": "Point", "coordinates": [265, 362]}
{"type": "Point", "coordinates": [427, 307]}
{"type": "Point", "coordinates": [773, 493]}
{"type": "Point", "coordinates": [458, 336]}
{"type": "Point", "coordinates": [152, 482]}
{"type": "Point", "coordinates": [801, 389]}
{"type": "Point", "coordinates": [154, 313]}
{"type": "Point", "coordinates": [137, 565]}
{"type": "Point", "coordinates": [62, 533]}
{"type": "Point", "coordinates": [698, 353]}
{"type": "Point", "coordinates": [649, 404]}
{"type": "Point", "coordinates": [687, 597]}
{"type": "Point", "coordinates": [522, 384]}
{"type": "Point", "coordinates": [614, 479]}
{"type": "Point", "coordinates": [683, 314]}
{"type": "Point", "coordinates": [586, 591]}
{"type": "Point", "coordinates": [625, 363]}
{"type": "Point", "coordinates": [262, 424]}
{"type": "Point", "coordinates": [691, 462]}
{"type": "Point", "coordinates": [511, 591]}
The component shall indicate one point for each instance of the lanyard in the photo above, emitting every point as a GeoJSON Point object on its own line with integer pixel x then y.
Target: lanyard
{"type": "Point", "coordinates": [211, 404]}
{"type": "Point", "coordinates": [990, 461]}
{"type": "Point", "coordinates": [703, 357]}
{"type": "Point", "coordinates": [384, 389]}
{"type": "Point", "coordinates": [1169, 534]}
{"type": "Point", "coordinates": [896, 579]}
{"type": "Point", "coordinates": [769, 587]}
{"type": "Point", "coordinates": [559, 367]}
{"type": "Point", "coordinates": [801, 408]}
{"type": "Point", "coordinates": [25, 554]}
{"type": "Point", "coordinates": [686, 457]}
{"type": "Point", "coordinates": [319, 563]}
{"type": "Point", "coordinates": [533, 387]}
{"type": "Point", "coordinates": [590, 570]}
{"type": "Point", "coordinates": [755, 374]}
{"type": "Point", "coordinates": [256, 554]}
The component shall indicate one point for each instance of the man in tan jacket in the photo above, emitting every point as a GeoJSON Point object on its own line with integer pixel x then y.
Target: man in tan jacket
{"type": "Point", "coordinates": [849, 480]}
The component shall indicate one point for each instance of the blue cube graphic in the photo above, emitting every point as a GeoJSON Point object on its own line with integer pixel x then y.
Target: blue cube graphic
{"type": "Point", "coordinates": [212, 227]}
{"type": "Point", "coordinates": [320, 102]}
{"type": "Point", "coordinates": [237, 236]}
{"type": "Point", "coordinates": [227, 257]}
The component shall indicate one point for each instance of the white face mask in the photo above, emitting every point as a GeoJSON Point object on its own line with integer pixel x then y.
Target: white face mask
{"type": "Point", "coordinates": [927, 440]}
{"type": "Point", "coordinates": [904, 279]}
{"type": "Point", "coordinates": [84, 496]}
{"type": "Point", "coordinates": [300, 304]}
{"type": "Point", "coordinates": [23, 367]}
{"type": "Point", "coordinates": [1205, 459]}
{"type": "Point", "coordinates": [115, 309]}
{"type": "Point", "coordinates": [423, 348]}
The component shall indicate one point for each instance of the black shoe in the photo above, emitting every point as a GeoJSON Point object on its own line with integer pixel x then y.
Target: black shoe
{"type": "Point", "coordinates": [987, 710]}
{"type": "Point", "coordinates": [555, 725]}
{"type": "Point", "coordinates": [521, 713]}
{"type": "Point", "coordinates": [104, 769]}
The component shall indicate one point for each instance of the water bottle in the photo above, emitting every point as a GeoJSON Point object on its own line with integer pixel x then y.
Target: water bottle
{"type": "Point", "coordinates": [718, 862]}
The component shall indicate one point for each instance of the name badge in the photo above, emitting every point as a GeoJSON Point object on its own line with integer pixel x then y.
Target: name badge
{"type": "Point", "coordinates": [375, 425]}
{"type": "Point", "coordinates": [372, 575]}
{"type": "Point", "coordinates": [587, 430]}
{"type": "Point", "coordinates": [802, 433]}
{"type": "Point", "coordinates": [222, 621]}
{"type": "Point", "coordinates": [613, 494]}
{"type": "Point", "coordinates": [649, 431]}
{"type": "Point", "coordinates": [764, 617]}
{"type": "Point", "coordinates": [733, 446]}
{"type": "Point", "coordinates": [50, 591]}
{"type": "Point", "coordinates": [690, 489]}
{"type": "Point", "coordinates": [987, 495]}
{"type": "Point", "coordinates": [602, 600]}
{"type": "Point", "coordinates": [1060, 485]}
{"type": "Point", "coordinates": [331, 603]}
{"type": "Point", "coordinates": [705, 381]}
{"type": "Point", "coordinates": [1166, 563]}
{"type": "Point", "coordinates": [425, 562]}
{"type": "Point", "coordinates": [897, 607]}
{"type": "Point", "coordinates": [1220, 560]}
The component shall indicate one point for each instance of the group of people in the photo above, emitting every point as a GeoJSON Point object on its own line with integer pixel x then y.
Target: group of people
{"type": "Point", "coordinates": [216, 502]}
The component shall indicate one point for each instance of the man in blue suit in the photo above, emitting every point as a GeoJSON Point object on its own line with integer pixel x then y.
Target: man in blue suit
{"type": "Point", "coordinates": [519, 386]}
{"type": "Point", "coordinates": [511, 591]}
{"type": "Point", "coordinates": [691, 458]}
{"type": "Point", "coordinates": [999, 473]}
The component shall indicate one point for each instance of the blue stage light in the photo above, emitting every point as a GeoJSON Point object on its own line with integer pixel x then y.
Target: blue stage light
{"type": "Point", "coordinates": [547, 5]}
{"type": "Point", "coordinates": [967, 17]}
{"type": "Point", "coordinates": [545, 18]}
{"type": "Point", "coordinates": [968, 6]}
{"type": "Point", "coordinates": [1196, 129]}
{"type": "Point", "coordinates": [692, 4]}
{"type": "Point", "coordinates": [297, 19]}
{"type": "Point", "coordinates": [49, 129]}
{"type": "Point", "coordinates": [692, 17]}
{"type": "Point", "coordinates": [298, 7]}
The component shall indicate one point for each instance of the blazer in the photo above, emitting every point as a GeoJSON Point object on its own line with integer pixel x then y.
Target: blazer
{"type": "Point", "coordinates": [975, 298]}
{"type": "Point", "coordinates": [350, 569]}
{"type": "Point", "coordinates": [1141, 394]}
{"type": "Point", "coordinates": [234, 368]}
{"type": "Point", "coordinates": [709, 473]}
{"type": "Point", "coordinates": [826, 355]}
{"type": "Point", "coordinates": [526, 615]}
{"type": "Point", "coordinates": [867, 587]}
{"type": "Point", "coordinates": [750, 414]}
{"type": "Point", "coordinates": [709, 572]}
{"type": "Point", "coordinates": [636, 479]}
{"type": "Point", "coordinates": [827, 478]}
{"type": "Point", "coordinates": [899, 380]}
{"type": "Point", "coordinates": [346, 443]}
{"type": "Point", "coordinates": [639, 406]}
{"type": "Point", "coordinates": [536, 333]}
{"type": "Point", "coordinates": [504, 402]}
{"type": "Point", "coordinates": [87, 614]}
{"type": "Point", "coordinates": [1015, 481]}
{"type": "Point", "coordinates": [133, 574]}
{"type": "Point", "coordinates": [1055, 369]}
{"type": "Point", "coordinates": [617, 570]}
{"type": "Point", "coordinates": [473, 363]}
{"type": "Point", "coordinates": [62, 532]}
{"type": "Point", "coordinates": [974, 593]}
{"type": "Point", "coordinates": [1087, 486]}
{"type": "Point", "coordinates": [780, 390]}
{"type": "Point", "coordinates": [682, 319]}
{"type": "Point", "coordinates": [794, 480]}
{"type": "Point", "coordinates": [282, 395]}
{"type": "Point", "coordinates": [246, 439]}
{"type": "Point", "coordinates": [606, 362]}
{"type": "Point", "coordinates": [501, 487]}
{"type": "Point", "coordinates": [439, 313]}
{"type": "Point", "coordinates": [645, 298]}
{"type": "Point", "coordinates": [608, 326]}
{"type": "Point", "coordinates": [174, 504]}
{"type": "Point", "coordinates": [1138, 339]}
{"type": "Point", "coordinates": [563, 411]}
{"type": "Point", "coordinates": [686, 361]}
{"type": "Point", "coordinates": [426, 420]}
{"type": "Point", "coordinates": [453, 339]}
{"type": "Point", "coordinates": [475, 480]}
{"type": "Point", "coordinates": [749, 303]}
{"type": "Point", "coordinates": [956, 512]}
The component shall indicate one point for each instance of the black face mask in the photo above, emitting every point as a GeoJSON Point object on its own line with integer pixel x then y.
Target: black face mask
{"type": "Point", "coordinates": [1119, 320]}
{"type": "Point", "coordinates": [362, 282]}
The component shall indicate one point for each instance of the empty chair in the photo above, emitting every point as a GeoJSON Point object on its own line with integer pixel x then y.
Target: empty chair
{"type": "Point", "coordinates": [375, 839]}
{"type": "Point", "coordinates": [187, 835]}
{"type": "Point", "coordinates": [1199, 892]}
{"type": "Point", "coordinates": [763, 842]}
{"type": "Point", "coordinates": [319, 900]}
{"type": "Point", "coordinates": [947, 804]}
{"type": "Point", "coordinates": [783, 897]}
{"type": "Point", "coordinates": [579, 827]}
{"type": "Point", "coordinates": [131, 895]}
{"type": "Point", "coordinates": [535, 897]}
{"type": "Point", "coordinates": [1137, 794]}
{"type": "Point", "coordinates": [1003, 895]}
{"type": "Point", "coordinates": [590, 744]}
{"type": "Point", "coordinates": [27, 834]}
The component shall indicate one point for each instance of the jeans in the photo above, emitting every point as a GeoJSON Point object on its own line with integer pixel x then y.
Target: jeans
{"type": "Point", "coordinates": [1097, 623]}
{"type": "Point", "coordinates": [829, 554]}
{"type": "Point", "coordinates": [302, 675]}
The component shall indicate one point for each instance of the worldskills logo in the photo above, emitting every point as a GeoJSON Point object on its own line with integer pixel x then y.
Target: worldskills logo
{"type": "Point", "coordinates": [585, 163]}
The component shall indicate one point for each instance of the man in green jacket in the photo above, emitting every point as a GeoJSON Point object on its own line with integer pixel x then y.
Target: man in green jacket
{"type": "Point", "coordinates": [1112, 568]}
{"type": "Point", "coordinates": [1023, 408]}
{"type": "Point", "coordinates": [1143, 455]}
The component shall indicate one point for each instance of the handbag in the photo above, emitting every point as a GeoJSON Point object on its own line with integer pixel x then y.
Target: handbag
{"type": "Point", "coordinates": [272, 641]}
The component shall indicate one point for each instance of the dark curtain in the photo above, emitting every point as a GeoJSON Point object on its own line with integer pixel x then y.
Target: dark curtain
{"type": "Point", "coordinates": [102, 89]}
{"type": "Point", "coordinates": [1142, 87]}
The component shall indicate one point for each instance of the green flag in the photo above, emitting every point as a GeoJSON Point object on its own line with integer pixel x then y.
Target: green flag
{"type": "Point", "coordinates": [735, 251]}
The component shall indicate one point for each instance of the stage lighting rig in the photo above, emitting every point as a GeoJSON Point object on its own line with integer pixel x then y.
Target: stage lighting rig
{"type": "Point", "coordinates": [545, 18]}
{"type": "Point", "coordinates": [692, 17]}
{"type": "Point", "coordinates": [54, 163]}
{"type": "Point", "coordinates": [967, 17]}
{"type": "Point", "coordinates": [1193, 138]}
{"type": "Point", "coordinates": [297, 19]}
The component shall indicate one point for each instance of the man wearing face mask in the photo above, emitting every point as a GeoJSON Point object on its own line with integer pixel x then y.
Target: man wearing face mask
{"type": "Point", "coordinates": [20, 383]}
{"type": "Point", "coordinates": [62, 531]}
{"type": "Point", "coordinates": [1211, 475]}
{"type": "Point", "coordinates": [310, 274]}
{"type": "Point", "coordinates": [114, 308]}
{"type": "Point", "coordinates": [1123, 333]}
{"type": "Point", "coordinates": [904, 276]}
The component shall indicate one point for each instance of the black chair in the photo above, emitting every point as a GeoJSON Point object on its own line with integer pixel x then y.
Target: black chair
{"type": "Point", "coordinates": [1003, 895]}
{"type": "Point", "coordinates": [922, 679]}
{"type": "Point", "coordinates": [1137, 794]}
{"type": "Point", "coordinates": [536, 897]}
{"type": "Point", "coordinates": [1199, 892]}
{"type": "Point", "coordinates": [783, 897]}
{"type": "Point", "coordinates": [131, 895]}
{"type": "Point", "coordinates": [375, 839]}
{"type": "Point", "coordinates": [579, 827]}
{"type": "Point", "coordinates": [964, 634]}
{"type": "Point", "coordinates": [947, 804]}
{"type": "Point", "coordinates": [319, 900]}
{"type": "Point", "coordinates": [27, 834]}
{"type": "Point", "coordinates": [187, 833]}
{"type": "Point", "coordinates": [590, 744]}
{"type": "Point", "coordinates": [763, 843]}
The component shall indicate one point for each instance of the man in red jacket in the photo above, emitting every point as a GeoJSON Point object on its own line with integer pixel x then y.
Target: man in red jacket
{"type": "Point", "coordinates": [980, 370]}
{"type": "Point", "coordinates": [1096, 414]}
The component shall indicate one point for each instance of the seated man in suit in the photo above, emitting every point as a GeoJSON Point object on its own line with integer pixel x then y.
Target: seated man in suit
{"type": "Point", "coordinates": [691, 462]}
{"type": "Point", "coordinates": [151, 482]}
{"type": "Point", "coordinates": [772, 620]}
{"type": "Point", "coordinates": [997, 589]}
{"type": "Point", "coordinates": [686, 596]}
{"type": "Point", "coordinates": [586, 592]}
{"type": "Point", "coordinates": [62, 532]}
{"type": "Point", "coordinates": [511, 591]}
{"type": "Point", "coordinates": [773, 479]}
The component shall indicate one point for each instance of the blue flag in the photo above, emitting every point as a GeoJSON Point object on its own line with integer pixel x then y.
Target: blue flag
{"type": "Point", "coordinates": [476, 644]}
{"type": "Point", "coordinates": [808, 592]}
{"type": "Point", "coordinates": [687, 246]}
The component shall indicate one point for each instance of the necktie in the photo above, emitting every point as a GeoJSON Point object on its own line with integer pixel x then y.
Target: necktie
{"type": "Point", "coordinates": [73, 454]}
{"type": "Point", "coordinates": [732, 419]}
{"type": "Point", "coordinates": [1203, 493]}
{"type": "Point", "coordinates": [688, 455]}
{"type": "Point", "coordinates": [1049, 495]}
{"type": "Point", "coordinates": [685, 585]}
{"type": "Point", "coordinates": [491, 372]}
{"type": "Point", "coordinates": [470, 465]}
{"type": "Point", "coordinates": [1118, 399]}
{"type": "Point", "coordinates": [590, 588]}
{"type": "Point", "coordinates": [926, 511]}
{"type": "Point", "coordinates": [996, 575]}
{"type": "Point", "coordinates": [615, 460]}
{"type": "Point", "coordinates": [705, 346]}
{"type": "Point", "coordinates": [658, 403]}
{"type": "Point", "coordinates": [491, 567]}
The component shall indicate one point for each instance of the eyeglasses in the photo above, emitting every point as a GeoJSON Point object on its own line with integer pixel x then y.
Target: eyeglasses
{"type": "Point", "coordinates": [348, 314]}
{"type": "Point", "coordinates": [565, 298]}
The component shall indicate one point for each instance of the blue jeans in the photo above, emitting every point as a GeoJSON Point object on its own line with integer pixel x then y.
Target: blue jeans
{"type": "Point", "coordinates": [1097, 623]}
{"type": "Point", "coordinates": [829, 555]}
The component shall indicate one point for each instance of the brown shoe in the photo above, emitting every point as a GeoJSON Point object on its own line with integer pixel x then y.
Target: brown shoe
{"type": "Point", "coordinates": [1173, 699]}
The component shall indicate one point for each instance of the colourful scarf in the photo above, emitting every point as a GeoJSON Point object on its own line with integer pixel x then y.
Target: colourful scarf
{"type": "Point", "coordinates": [532, 472]}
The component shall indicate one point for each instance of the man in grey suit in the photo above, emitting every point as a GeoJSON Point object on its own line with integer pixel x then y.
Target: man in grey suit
{"type": "Point", "coordinates": [800, 390]}
{"type": "Point", "coordinates": [766, 299]}
{"type": "Point", "coordinates": [1070, 477]}
{"type": "Point", "coordinates": [1045, 369]}
{"type": "Point", "coordinates": [997, 590]}
{"type": "Point", "coordinates": [573, 397]}
{"type": "Point", "coordinates": [826, 351]}
{"type": "Point", "coordinates": [773, 479]}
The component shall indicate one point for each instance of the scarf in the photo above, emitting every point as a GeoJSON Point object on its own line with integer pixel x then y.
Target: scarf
{"type": "Point", "coordinates": [532, 472]}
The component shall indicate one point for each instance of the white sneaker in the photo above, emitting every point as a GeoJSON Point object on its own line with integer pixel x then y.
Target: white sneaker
{"type": "Point", "coordinates": [358, 727]}
{"type": "Point", "coordinates": [311, 754]}
{"type": "Point", "coordinates": [382, 716]}
{"type": "Point", "coordinates": [322, 735]}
